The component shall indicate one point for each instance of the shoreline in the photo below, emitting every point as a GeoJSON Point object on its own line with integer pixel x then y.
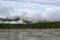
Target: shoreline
{"type": "Point", "coordinates": [35, 29]}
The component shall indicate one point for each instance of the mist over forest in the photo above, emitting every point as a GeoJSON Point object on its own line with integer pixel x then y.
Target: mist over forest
{"type": "Point", "coordinates": [29, 10]}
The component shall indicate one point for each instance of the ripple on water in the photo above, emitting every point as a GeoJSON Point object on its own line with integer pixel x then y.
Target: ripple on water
{"type": "Point", "coordinates": [15, 34]}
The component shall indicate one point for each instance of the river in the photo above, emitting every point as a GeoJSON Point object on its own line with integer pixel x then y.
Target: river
{"type": "Point", "coordinates": [29, 34]}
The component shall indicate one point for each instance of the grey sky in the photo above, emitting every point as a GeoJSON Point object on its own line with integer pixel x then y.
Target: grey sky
{"type": "Point", "coordinates": [34, 9]}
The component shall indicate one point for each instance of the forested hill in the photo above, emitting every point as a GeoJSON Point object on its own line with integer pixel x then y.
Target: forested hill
{"type": "Point", "coordinates": [31, 26]}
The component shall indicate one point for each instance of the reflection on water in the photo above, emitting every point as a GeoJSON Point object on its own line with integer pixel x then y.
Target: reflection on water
{"type": "Point", "coordinates": [27, 34]}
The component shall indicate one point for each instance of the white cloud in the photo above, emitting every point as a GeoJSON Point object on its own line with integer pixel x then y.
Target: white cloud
{"type": "Point", "coordinates": [17, 8]}
{"type": "Point", "coordinates": [30, 10]}
{"type": "Point", "coordinates": [50, 1]}
{"type": "Point", "coordinates": [53, 14]}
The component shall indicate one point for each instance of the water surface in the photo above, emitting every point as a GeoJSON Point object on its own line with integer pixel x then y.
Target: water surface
{"type": "Point", "coordinates": [29, 34]}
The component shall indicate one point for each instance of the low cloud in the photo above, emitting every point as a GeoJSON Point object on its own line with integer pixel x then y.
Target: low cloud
{"type": "Point", "coordinates": [29, 11]}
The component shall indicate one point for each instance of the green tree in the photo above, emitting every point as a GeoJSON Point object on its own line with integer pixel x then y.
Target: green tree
{"type": "Point", "coordinates": [27, 21]}
{"type": "Point", "coordinates": [9, 19]}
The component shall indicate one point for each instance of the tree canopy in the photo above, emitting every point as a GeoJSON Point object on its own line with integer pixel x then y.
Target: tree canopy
{"type": "Point", "coordinates": [27, 21]}
{"type": "Point", "coordinates": [9, 19]}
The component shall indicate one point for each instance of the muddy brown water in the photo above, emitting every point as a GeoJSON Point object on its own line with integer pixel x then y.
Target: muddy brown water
{"type": "Point", "coordinates": [29, 34]}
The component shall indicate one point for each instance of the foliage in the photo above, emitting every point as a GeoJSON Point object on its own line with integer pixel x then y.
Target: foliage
{"type": "Point", "coordinates": [30, 26]}
{"type": "Point", "coordinates": [27, 21]}
{"type": "Point", "coordinates": [9, 19]}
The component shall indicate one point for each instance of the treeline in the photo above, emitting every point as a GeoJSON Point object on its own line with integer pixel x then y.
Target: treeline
{"type": "Point", "coordinates": [9, 19]}
{"type": "Point", "coordinates": [38, 25]}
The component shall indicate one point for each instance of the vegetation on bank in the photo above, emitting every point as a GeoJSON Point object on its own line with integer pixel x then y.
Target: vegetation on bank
{"type": "Point", "coordinates": [27, 24]}
{"type": "Point", "coordinates": [30, 26]}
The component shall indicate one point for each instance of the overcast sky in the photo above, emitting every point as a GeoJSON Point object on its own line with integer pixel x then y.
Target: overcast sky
{"type": "Point", "coordinates": [31, 9]}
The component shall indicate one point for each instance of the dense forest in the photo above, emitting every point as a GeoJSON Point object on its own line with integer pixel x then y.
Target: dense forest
{"type": "Point", "coordinates": [28, 24]}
